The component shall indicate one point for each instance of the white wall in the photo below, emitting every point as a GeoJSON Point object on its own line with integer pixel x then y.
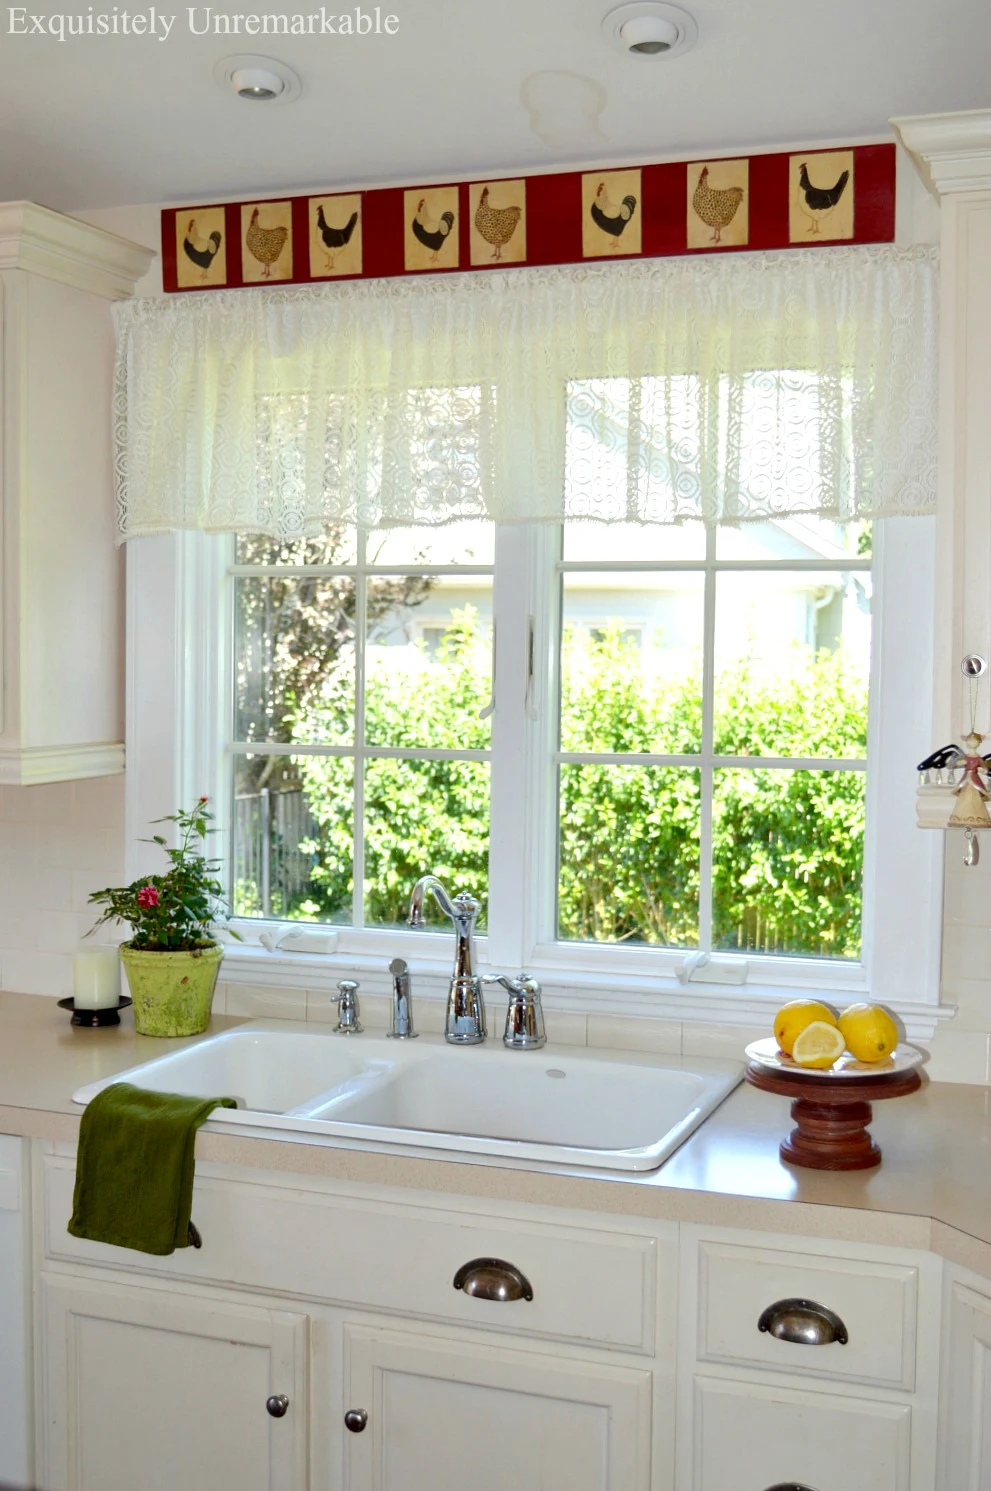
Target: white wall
{"type": "Point", "coordinates": [57, 844]}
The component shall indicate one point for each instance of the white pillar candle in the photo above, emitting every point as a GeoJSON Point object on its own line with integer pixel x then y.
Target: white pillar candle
{"type": "Point", "coordinates": [96, 978]}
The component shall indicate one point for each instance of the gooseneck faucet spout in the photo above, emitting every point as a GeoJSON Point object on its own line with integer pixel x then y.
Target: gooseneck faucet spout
{"type": "Point", "coordinates": [465, 1021]}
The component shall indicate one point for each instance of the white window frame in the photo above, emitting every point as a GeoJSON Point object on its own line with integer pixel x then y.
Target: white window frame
{"type": "Point", "coordinates": [179, 707]}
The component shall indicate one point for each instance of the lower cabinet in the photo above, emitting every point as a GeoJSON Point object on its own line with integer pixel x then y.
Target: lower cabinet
{"type": "Point", "coordinates": [429, 1414]}
{"type": "Point", "coordinates": [965, 1431]}
{"type": "Point", "coordinates": [752, 1438]}
{"type": "Point", "coordinates": [162, 1391]}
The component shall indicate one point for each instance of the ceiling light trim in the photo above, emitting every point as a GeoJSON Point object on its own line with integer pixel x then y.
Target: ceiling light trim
{"type": "Point", "coordinates": [666, 17]}
{"type": "Point", "coordinates": [227, 70]}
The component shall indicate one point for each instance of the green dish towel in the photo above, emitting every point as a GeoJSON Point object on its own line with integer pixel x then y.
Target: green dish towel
{"type": "Point", "coordinates": [134, 1168]}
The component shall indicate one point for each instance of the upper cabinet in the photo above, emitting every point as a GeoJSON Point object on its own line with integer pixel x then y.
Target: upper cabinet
{"type": "Point", "coordinates": [61, 592]}
{"type": "Point", "coordinates": [953, 155]}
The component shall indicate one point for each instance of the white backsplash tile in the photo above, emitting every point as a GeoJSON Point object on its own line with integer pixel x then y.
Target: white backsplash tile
{"type": "Point", "coordinates": [564, 1028]}
{"type": "Point", "coordinates": [966, 951]}
{"type": "Point", "coordinates": [265, 1002]}
{"type": "Point", "coordinates": [958, 1056]}
{"type": "Point", "coordinates": [724, 1041]}
{"type": "Point", "coordinates": [630, 1033]}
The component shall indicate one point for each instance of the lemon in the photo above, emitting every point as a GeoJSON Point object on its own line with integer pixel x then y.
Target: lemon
{"type": "Point", "coordinates": [793, 1018]}
{"type": "Point", "coordinates": [818, 1045]}
{"type": "Point", "coordinates": [869, 1032]}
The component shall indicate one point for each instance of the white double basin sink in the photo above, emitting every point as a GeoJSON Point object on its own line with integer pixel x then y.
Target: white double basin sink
{"type": "Point", "coordinates": [554, 1106]}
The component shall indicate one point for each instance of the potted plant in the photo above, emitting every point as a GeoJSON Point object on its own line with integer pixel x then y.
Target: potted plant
{"type": "Point", "coordinates": [172, 958]}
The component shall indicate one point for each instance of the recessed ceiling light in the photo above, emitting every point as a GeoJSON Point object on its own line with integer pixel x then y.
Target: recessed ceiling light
{"type": "Point", "coordinates": [648, 28]}
{"type": "Point", "coordinates": [258, 79]}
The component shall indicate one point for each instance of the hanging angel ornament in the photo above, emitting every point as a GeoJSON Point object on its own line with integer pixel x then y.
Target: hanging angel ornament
{"type": "Point", "coordinates": [970, 809]}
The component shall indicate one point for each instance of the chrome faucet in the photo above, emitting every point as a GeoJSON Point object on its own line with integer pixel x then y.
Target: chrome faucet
{"type": "Point", "coordinates": [402, 1003]}
{"type": "Point", "coordinates": [464, 1024]}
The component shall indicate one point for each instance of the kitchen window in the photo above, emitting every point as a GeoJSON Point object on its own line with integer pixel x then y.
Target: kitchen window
{"type": "Point", "coordinates": [648, 751]}
{"type": "Point", "coordinates": [661, 714]}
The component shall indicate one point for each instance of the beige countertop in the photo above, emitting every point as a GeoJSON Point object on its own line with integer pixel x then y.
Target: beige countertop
{"type": "Point", "coordinates": [933, 1189]}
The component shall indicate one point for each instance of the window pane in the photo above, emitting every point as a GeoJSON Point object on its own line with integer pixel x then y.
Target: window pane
{"type": "Point", "coordinates": [792, 663]}
{"type": "Point", "coordinates": [794, 538]}
{"type": "Point", "coordinates": [337, 545]}
{"type": "Point", "coordinates": [293, 837]}
{"type": "Point", "coordinates": [629, 855]}
{"type": "Point", "coordinates": [455, 543]}
{"type": "Point", "coordinates": [788, 851]}
{"type": "Point", "coordinates": [631, 661]}
{"type": "Point", "coordinates": [588, 542]}
{"type": "Point", "coordinates": [295, 659]}
{"type": "Point", "coordinates": [424, 816]}
{"type": "Point", "coordinates": [428, 662]}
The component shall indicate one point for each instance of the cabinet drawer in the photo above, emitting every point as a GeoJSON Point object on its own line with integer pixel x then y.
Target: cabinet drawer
{"type": "Point", "coordinates": [876, 1303]}
{"type": "Point", "coordinates": [588, 1286]}
{"type": "Point", "coordinates": [750, 1438]}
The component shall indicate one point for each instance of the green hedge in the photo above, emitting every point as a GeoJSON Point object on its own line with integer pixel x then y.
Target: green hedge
{"type": "Point", "coordinates": [787, 845]}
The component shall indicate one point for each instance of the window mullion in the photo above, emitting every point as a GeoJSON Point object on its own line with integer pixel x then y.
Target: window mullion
{"type": "Point", "coordinates": [360, 635]}
{"type": "Point", "coordinates": [508, 785]}
{"type": "Point", "coordinates": [706, 783]}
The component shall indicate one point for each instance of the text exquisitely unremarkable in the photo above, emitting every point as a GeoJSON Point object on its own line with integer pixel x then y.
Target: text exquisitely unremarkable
{"type": "Point", "coordinates": [201, 20]}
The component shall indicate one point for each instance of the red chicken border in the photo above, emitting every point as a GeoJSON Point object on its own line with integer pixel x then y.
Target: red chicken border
{"type": "Point", "coordinates": [554, 220]}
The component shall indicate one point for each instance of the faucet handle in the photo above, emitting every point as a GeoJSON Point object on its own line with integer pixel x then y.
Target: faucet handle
{"type": "Point", "coordinates": [524, 1018]}
{"type": "Point", "coordinates": [525, 984]}
{"type": "Point", "coordinates": [347, 998]}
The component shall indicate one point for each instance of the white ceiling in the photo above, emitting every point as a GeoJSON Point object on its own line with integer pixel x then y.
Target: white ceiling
{"type": "Point", "coordinates": [102, 121]}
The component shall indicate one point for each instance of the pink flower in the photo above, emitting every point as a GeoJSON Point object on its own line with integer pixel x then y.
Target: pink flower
{"type": "Point", "coordinates": [203, 800]}
{"type": "Point", "coordinates": [148, 896]}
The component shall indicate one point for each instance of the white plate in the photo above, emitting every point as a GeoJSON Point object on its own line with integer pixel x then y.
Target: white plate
{"type": "Point", "coordinates": [767, 1053]}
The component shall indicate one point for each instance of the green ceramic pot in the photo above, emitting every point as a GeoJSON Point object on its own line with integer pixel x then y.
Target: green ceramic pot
{"type": "Point", "coordinates": [172, 992]}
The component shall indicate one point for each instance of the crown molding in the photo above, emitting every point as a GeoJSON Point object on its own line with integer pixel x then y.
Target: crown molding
{"type": "Point", "coordinates": [71, 252]}
{"type": "Point", "coordinates": [30, 766]}
{"type": "Point", "coordinates": [952, 152]}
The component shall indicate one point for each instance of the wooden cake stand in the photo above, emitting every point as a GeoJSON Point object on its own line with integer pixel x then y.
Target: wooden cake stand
{"type": "Point", "coordinates": [831, 1115]}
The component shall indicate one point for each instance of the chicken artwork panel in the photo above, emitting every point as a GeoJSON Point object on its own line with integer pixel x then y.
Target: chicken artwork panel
{"type": "Point", "coordinates": [718, 204]}
{"type": "Point", "coordinates": [431, 228]}
{"type": "Point", "coordinates": [266, 242]}
{"type": "Point", "coordinates": [201, 248]}
{"type": "Point", "coordinates": [497, 217]}
{"type": "Point", "coordinates": [612, 214]}
{"type": "Point", "coordinates": [821, 205]}
{"type": "Point", "coordinates": [335, 235]}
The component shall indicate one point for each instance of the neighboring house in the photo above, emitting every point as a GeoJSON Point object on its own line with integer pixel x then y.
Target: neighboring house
{"type": "Point", "coordinates": [760, 615]}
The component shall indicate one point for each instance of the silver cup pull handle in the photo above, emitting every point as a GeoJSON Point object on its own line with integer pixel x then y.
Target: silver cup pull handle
{"type": "Point", "coordinates": [803, 1323]}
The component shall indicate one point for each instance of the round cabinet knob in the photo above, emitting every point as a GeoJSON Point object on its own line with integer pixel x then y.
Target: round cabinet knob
{"type": "Point", "coordinates": [277, 1405]}
{"type": "Point", "coordinates": [355, 1419]}
{"type": "Point", "coordinates": [804, 1323]}
{"type": "Point", "coordinates": [791, 1486]}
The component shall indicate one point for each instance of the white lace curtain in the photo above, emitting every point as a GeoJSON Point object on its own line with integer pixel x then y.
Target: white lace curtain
{"type": "Point", "coordinates": [720, 389]}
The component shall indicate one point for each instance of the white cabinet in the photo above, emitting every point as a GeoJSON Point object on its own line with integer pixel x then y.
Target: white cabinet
{"type": "Point", "coordinates": [460, 1413]}
{"type": "Point", "coordinates": [61, 645]}
{"type": "Point", "coordinates": [965, 1430]}
{"type": "Point", "coordinates": [761, 1321]}
{"type": "Point", "coordinates": [162, 1391]}
{"type": "Point", "coordinates": [15, 1365]}
{"type": "Point", "coordinates": [752, 1438]}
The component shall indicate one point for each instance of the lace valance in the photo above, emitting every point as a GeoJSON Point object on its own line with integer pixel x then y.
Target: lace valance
{"type": "Point", "coordinates": [747, 387]}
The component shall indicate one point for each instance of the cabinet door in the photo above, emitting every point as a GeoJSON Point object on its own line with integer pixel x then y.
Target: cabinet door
{"type": "Point", "coordinates": [167, 1392]}
{"type": "Point", "coordinates": [754, 1438]}
{"type": "Point", "coordinates": [446, 1414]}
{"type": "Point", "coordinates": [965, 1434]}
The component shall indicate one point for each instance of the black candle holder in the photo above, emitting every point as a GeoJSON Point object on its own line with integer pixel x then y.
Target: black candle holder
{"type": "Point", "coordinates": [94, 1019]}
